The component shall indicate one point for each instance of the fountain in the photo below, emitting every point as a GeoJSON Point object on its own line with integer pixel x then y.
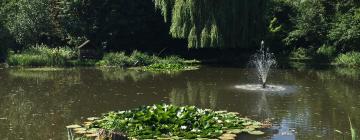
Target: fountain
{"type": "Point", "coordinates": [263, 60]}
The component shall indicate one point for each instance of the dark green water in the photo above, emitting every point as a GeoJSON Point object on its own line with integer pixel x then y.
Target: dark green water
{"type": "Point", "coordinates": [37, 105]}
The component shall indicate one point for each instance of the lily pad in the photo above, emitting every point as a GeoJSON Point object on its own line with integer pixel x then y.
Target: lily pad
{"type": "Point", "coordinates": [256, 133]}
{"type": "Point", "coordinates": [73, 126]}
{"type": "Point", "coordinates": [170, 122]}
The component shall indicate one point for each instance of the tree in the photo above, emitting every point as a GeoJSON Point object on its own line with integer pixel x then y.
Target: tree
{"type": "Point", "coordinates": [213, 23]}
{"type": "Point", "coordinates": [28, 21]}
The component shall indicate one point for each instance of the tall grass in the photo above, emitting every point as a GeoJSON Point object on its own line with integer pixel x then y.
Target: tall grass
{"type": "Point", "coordinates": [41, 55]}
{"type": "Point", "coordinates": [352, 130]}
{"type": "Point", "coordinates": [350, 59]}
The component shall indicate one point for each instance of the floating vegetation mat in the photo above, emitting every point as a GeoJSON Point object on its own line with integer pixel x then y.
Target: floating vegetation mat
{"type": "Point", "coordinates": [164, 122]}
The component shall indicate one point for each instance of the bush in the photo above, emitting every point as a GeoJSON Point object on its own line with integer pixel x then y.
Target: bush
{"type": "Point", "coordinates": [142, 59]}
{"type": "Point", "coordinates": [168, 63]}
{"type": "Point", "coordinates": [311, 25]}
{"type": "Point", "coordinates": [41, 55]}
{"type": "Point", "coordinates": [300, 53]}
{"type": "Point", "coordinates": [345, 32]}
{"type": "Point", "coordinates": [350, 59]}
{"type": "Point", "coordinates": [116, 59]}
{"type": "Point", "coordinates": [326, 51]}
{"type": "Point", "coordinates": [138, 59]}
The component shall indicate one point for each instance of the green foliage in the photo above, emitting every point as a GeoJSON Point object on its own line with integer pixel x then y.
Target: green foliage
{"type": "Point", "coordinates": [300, 53]}
{"type": "Point", "coordinates": [142, 59]}
{"type": "Point", "coordinates": [116, 59]}
{"type": "Point", "coordinates": [172, 63]}
{"type": "Point", "coordinates": [27, 60]}
{"type": "Point", "coordinates": [211, 23]}
{"type": "Point", "coordinates": [310, 25]}
{"type": "Point", "coordinates": [138, 59]}
{"type": "Point", "coordinates": [169, 121]}
{"type": "Point", "coordinates": [314, 24]}
{"type": "Point", "coordinates": [279, 15]}
{"type": "Point", "coordinates": [350, 59]}
{"type": "Point", "coordinates": [326, 51]}
{"type": "Point", "coordinates": [345, 31]}
{"type": "Point", "coordinates": [41, 55]}
{"type": "Point", "coordinates": [29, 21]}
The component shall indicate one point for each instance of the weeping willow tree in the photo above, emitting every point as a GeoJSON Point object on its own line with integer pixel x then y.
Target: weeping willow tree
{"type": "Point", "coordinates": [214, 23]}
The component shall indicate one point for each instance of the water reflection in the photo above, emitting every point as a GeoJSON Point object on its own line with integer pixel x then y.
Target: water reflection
{"type": "Point", "coordinates": [38, 104]}
{"type": "Point", "coordinates": [122, 74]}
{"type": "Point", "coordinates": [195, 93]}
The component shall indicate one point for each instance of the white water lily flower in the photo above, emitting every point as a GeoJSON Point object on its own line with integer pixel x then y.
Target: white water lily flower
{"type": "Point", "coordinates": [195, 130]}
{"type": "Point", "coordinates": [179, 114]}
{"type": "Point", "coordinates": [166, 107]}
{"type": "Point", "coordinates": [154, 107]}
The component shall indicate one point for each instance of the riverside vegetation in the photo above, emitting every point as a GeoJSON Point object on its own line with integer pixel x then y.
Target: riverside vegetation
{"type": "Point", "coordinates": [297, 29]}
{"type": "Point", "coordinates": [166, 122]}
{"type": "Point", "coordinates": [41, 55]}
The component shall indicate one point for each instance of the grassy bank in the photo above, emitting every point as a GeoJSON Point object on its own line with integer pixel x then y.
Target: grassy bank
{"type": "Point", "coordinates": [43, 56]}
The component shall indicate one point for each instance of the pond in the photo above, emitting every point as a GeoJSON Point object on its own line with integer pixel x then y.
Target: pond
{"type": "Point", "coordinates": [37, 104]}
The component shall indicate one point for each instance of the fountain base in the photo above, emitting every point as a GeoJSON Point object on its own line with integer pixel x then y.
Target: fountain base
{"type": "Point", "coordinates": [266, 88]}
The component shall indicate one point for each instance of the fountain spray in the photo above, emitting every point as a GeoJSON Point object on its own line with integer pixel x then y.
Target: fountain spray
{"type": "Point", "coordinates": [263, 60]}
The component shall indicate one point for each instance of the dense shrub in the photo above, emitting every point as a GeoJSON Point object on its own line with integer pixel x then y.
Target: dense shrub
{"type": "Point", "coordinates": [138, 59]}
{"type": "Point", "coordinates": [142, 59]}
{"type": "Point", "coordinates": [116, 59]}
{"type": "Point", "coordinates": [345, 32]}
{"type": "Point", "coordinates": [300, 53]}
{"type": "Point", "coordinates": [310, 27]}
{"type": "Point", "coordinates": [350, 59]}
{"type": "Point", "coordinates": [29, 21]}
{"type": "Point", "coordinates": [172, 63]}
{"type": "Point", "coordinates": [326, 51]}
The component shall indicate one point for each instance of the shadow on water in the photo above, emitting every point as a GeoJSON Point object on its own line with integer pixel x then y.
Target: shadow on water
{"type": "Point", "coordinates": [38, 104]}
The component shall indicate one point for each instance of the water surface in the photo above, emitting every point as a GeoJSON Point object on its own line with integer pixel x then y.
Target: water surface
{"type": "Point", "coordinates": [38, 104]}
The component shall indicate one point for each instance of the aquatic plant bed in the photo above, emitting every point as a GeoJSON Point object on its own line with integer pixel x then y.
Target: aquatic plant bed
{"type": "Point", "coordinates": [165, 122]}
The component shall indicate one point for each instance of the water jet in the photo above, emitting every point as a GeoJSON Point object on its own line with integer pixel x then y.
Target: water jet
{"type": "Point", "coordinates": [263, 60]}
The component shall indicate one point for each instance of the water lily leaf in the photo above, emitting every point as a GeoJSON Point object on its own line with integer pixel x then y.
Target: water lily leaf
{"type": "Point", "coordinates": [91, 135]}
{"type": "Point", "coordinates": [93, 118]}
{"type": "Point", "coordinates": [235, 131]}
{"type": "Point", "coordinates": [256, 132]}
{"type": "Point", "coordinates": [170, 122]}
{"type": "Point", "coordinates": [80, 132]}
{"type": "Point", "coordinates": [80, 129]}
{"type": "Point", "coordinates": [227, 136]}
{"type": "Point", "coordinates": [73, 126]}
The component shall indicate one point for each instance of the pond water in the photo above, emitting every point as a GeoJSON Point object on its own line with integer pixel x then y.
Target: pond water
{"type": "Point", "coordinates": [37, 104]}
